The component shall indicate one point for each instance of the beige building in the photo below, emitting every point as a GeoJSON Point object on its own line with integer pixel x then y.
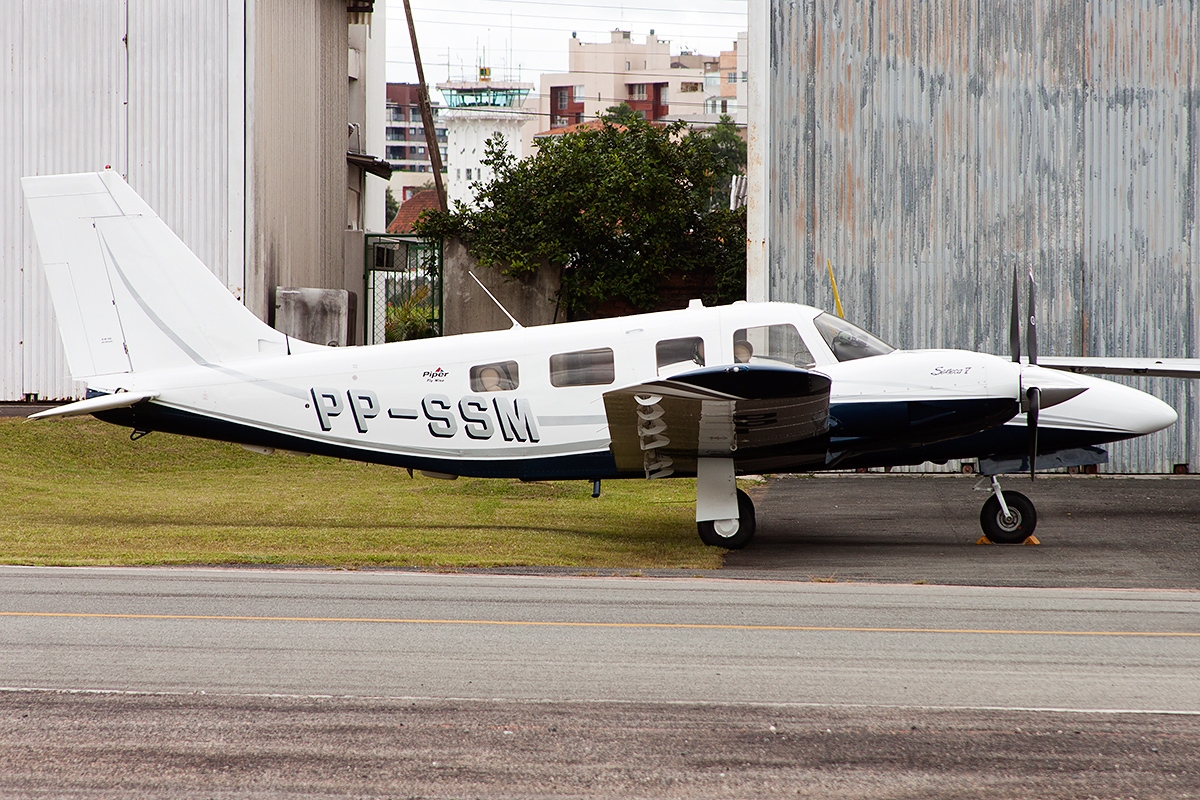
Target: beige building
{"type": "Point", "coordinates": [727, 84]}
{"type": "Point", "coordinates": [643, 74]}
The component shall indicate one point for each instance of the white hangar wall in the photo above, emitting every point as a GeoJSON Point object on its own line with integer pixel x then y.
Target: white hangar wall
{"type": "Point", "coordinates": [925, 149]}
{"type": "Point", "coordinates": [228, 116]}
{"type": "Point", "coordinates": [144, 87]}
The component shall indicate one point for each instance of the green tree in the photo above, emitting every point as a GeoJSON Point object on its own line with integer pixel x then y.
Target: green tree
{"type": "Point", "coordinates": [728, 150]}
{"type": "Point", "coordinates": [614, 209]}
{"type": "Point", "coordinates": [620, 114]}
{"type": "Point", "coordinates": [390, 207]}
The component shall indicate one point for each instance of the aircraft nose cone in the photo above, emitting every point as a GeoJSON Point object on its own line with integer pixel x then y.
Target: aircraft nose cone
{"type": "Point", "coordinates": [1149, 414]}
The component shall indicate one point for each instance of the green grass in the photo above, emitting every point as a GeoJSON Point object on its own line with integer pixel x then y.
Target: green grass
{"type": "Point", "coordinates": [80, 492]}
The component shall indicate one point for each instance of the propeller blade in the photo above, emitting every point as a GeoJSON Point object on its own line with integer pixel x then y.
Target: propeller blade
{"type": "Point", "coordinates": [1031, 329]}
{"type": "Point", "coordinates": [1034, 394]}
{"type": "Point", "coordinates": [1014, 325]}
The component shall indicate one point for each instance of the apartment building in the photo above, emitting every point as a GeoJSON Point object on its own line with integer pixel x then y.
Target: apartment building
{"type": "Point", "coordinates": [405, 145]}
{"type": "Point", "coordinates": [643, 74]}
{"type": "Point", "coordinates": [727, 84]}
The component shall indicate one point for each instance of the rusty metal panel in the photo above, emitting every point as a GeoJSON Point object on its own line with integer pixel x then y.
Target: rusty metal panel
{"type": "Point", "coordinates": [928, 148]}
{"type": "Point", "coordinates": [1139, 270]}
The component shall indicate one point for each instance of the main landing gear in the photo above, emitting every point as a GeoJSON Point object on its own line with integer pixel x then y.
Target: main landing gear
{"type": "Point", "coordinates": [1007, 517]}
{"type": "Point", "coordinates": [724, 513]}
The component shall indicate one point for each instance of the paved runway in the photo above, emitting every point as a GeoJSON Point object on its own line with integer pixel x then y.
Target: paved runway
{"type": "Point", "coordinates": [1096, 531]}
{"type": "Point", "coordinates": [597, 639]}
{"type": "Point", "coordinates": [1024, 679]}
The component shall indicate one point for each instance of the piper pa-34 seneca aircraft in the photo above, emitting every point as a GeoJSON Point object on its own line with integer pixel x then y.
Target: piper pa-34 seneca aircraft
{"type": "Point", "coordinates": [707, 392]}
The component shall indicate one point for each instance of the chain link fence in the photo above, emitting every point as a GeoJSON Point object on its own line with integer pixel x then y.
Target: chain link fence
{"type": "Point", "coordinates": [404, 288]}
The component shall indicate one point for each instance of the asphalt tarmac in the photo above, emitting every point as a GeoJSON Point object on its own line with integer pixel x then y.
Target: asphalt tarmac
{"type": "Point", "coordinates": [1095, 531]}
{"type": "Point", "coordinates": [823, 661]}
{"type": "Point", "coordinates": [187, 682]}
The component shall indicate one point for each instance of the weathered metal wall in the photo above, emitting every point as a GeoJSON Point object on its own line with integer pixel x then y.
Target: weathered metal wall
{"type": "Point", "coordinates": [296, 134]}
{"type": "Point", "coordinates": [927, 148]}
{"type": "Point", "coordinates": [138, 85]}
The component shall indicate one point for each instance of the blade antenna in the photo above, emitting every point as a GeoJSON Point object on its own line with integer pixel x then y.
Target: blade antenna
{"type": "Point", "coordinates": [1031, 325]}
{"type": "Point", "coordinates": [1014, 325]}
{"type": "Point", "coordinates": [837, 301]}
{"type": "Point", "coordinates": [513, 319]}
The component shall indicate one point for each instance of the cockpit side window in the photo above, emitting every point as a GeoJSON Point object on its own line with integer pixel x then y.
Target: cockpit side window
{"type": "Point", "coordinates": [766, 343]}
{"type": "Point", "coordinates": [501, 376]}
{"type": "Point", "coordinates": [674, 355]}
{"type": "Point", "coordinates": [847, 341]}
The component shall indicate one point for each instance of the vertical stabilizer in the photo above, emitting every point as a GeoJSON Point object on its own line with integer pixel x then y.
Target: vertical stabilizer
{"type": "Point", "coordinates": [128, 294]}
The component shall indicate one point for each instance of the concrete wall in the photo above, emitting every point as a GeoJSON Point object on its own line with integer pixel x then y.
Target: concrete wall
{"type": "Point", "coordinates": [466, 308]}
{"type": "Point", "coordinates": [296, 131]}
{"type": "Point", "coordinates": [927, 149]}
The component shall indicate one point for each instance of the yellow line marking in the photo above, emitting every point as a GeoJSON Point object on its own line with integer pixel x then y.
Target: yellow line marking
{"type": "Point", "coordinates": [580, 624]}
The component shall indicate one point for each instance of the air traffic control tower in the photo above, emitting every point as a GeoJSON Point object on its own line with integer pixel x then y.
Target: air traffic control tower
{"type": "Point", "coordinates": [475, 112]}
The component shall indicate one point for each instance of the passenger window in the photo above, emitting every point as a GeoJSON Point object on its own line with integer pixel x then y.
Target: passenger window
{"type": "Point", "coordinates": [583, 368]}
{"type": "Point", "coordinates": [498, 377]}
{"type": "Point", "coordinates": [765, 343]}
{"type": "Point", "coordinates": [676, 355]}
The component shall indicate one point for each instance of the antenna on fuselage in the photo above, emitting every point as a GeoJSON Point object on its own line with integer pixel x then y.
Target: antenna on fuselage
{"type": "Point", "coordinates": [494, 300]}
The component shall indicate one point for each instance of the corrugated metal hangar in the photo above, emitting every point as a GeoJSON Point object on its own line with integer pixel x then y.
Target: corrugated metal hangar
{"type": "Point", "coordinates": [232, 118]}
{"type": "Point", "coordinates": [925, 149]}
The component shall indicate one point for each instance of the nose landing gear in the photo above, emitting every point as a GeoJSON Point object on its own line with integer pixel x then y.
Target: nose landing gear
{"type": "Point", "coordinates": [724, 513]}
{"type": "Point", "coordinates": [732, 534]}
{"type": "Point", "coordinates": [1007, 517]}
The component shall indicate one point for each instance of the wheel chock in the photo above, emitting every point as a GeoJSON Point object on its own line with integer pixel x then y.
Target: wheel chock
{"type": "Point", "coordinates": [984, 540]}
{"type": "Point", "coordinates": [1031, 539]}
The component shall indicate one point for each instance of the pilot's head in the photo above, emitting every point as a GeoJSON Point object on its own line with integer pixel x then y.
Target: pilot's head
{"type": "Point", "coordinates": [742, 351]}
{"type": "Point", "coordinates": [489, 379]}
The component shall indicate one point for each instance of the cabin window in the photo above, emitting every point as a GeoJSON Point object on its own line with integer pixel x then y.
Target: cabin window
{"type": "Point", "coordinates": [499, 377]}
{"type": "Point", "coordinates": [847, 341]}
{"type": "Point", "coordinates": [771, 343]}
{"type": "Point", "coordinates": [678, 355]}
{"type": "Point", "coordinates": [583, 368]}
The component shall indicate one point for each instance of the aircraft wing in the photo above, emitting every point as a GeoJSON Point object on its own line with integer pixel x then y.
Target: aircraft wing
{"type": "Point", "coordinates": [1152, 367]}
{"type": "Point", "coordinates": [663, 426]}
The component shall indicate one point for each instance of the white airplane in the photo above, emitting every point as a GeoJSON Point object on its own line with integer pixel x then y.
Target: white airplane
{"type": "Point", "coordinates": [711, 392]}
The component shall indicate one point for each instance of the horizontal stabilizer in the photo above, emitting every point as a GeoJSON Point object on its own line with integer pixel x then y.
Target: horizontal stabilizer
{"type": "Point", "coordinates": [1150, 367]}
{"type": "Point", "coordinates": [105, 402]}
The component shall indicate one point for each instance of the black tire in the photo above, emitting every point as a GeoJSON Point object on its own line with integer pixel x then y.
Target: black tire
{"type": "Point", "coordinates": [741, 537]}
{"type": "Point", "coordinates": [1011, 531]}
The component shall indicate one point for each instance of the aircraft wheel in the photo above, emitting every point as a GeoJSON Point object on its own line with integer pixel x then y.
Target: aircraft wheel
{"type": "Point", "coordinates": [1013, 530]}
{"type": "Point", "coordinates": [715, 535]}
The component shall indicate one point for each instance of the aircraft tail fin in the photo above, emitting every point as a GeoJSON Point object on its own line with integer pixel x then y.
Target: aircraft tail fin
{"type": "Point", "coordinates": [128, 293]}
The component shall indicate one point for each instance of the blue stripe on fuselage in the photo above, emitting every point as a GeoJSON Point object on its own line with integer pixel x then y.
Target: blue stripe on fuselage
{"type": "Point", "coordinates": [154, 417]}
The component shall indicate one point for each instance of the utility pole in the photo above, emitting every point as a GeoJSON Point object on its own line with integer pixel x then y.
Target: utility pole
{"type": "Point", "coordinates": [431, 142]}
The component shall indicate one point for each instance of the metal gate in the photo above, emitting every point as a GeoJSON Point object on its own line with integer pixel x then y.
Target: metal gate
{"type": "Point", "coordinates": [404, 288]}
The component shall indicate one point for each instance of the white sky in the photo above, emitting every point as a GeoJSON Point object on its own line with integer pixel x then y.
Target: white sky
{"type": "Point", "coordinates": [525, 38]}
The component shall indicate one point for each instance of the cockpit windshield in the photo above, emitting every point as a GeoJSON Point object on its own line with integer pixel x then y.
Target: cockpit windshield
{"type": "Point", "coordinates": [847, 341]}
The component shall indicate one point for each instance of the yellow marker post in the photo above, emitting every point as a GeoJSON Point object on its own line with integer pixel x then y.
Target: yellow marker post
{"type": "Point", "coordinates": [837, 301]}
